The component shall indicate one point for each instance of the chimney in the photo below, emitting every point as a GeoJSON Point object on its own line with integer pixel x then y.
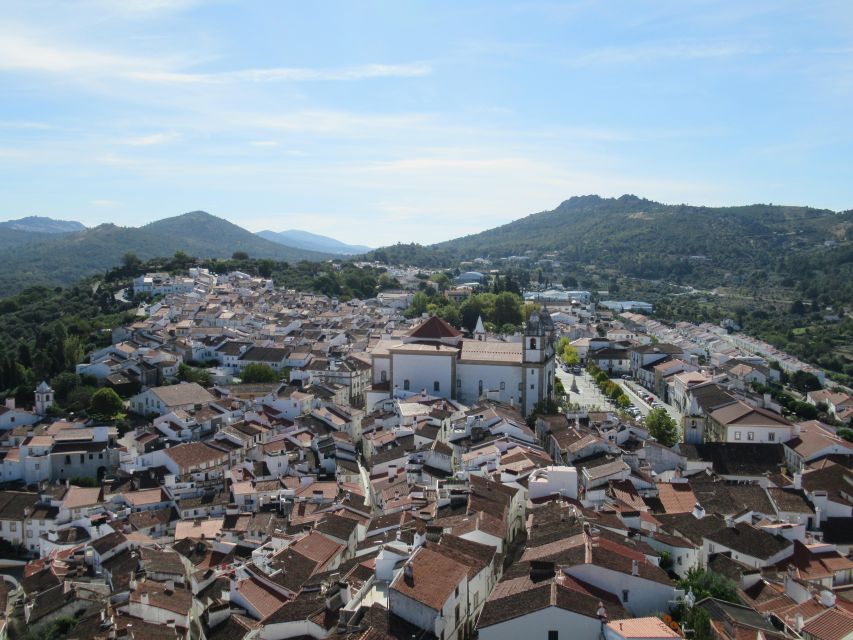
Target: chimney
{"type": "Point", "coordinates": [10, 403]}
{"type": "Point", "coordinates": [635, 568]}
{"type": "Point", "coordinates": [542, 570]}
{"type": "Point", "coordinates": [409, 574]}
{"type": "Point", "coordinates": [827, 598]}
{"type": "Point", "coordinates": [798, 622]}
{"type": "Point", "coordinates": [798, 480]}
{"type": "Point", "coordinates": [698, 511]}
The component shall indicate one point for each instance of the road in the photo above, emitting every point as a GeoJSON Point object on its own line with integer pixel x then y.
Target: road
{"type": "Point", "coordinates": [633, 391]}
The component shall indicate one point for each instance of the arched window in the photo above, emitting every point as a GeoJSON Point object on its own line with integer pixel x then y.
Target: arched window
{"type": "Point", "coordinates": [532, 343]}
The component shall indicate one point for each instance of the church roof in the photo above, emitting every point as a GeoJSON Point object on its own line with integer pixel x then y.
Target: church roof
{"type": "Point", "coordinates": [539, 323]}
{"type": "Point", "coordinates": [434, 329]}
{"type": "Point", "coordinates": [479, 328]}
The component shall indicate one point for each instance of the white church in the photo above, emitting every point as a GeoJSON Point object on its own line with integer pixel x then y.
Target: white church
{"type": "Point", "coordinates": [435, 358]}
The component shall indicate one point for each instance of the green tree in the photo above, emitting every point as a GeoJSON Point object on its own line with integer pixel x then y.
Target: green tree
{"type": "Point", "coordinates": [662, 427]}
{"type": "Point", "coordinates": [258, 373]}
{"type": "Point", "coordinates": [798, 308]}
{"type": "Point", "coordinates": [699, 621]}
{"type": "Point", "coordinates": [507, 309]}
{"type": "Point", "coordinates": [420, 301]}
{"type": "Point", "coordinates": [79, 398]}
{"type": "Point", "coordinates": [239, 255]}
{"type": "Point", "coordinates": [130, 261]}
{"type": "Point", "coordinates": [105, 404]}
{"type": "Point", "coordinates": [705, 584]}
{"type": "Point", "coordinates": [804, 381]}
{"type": "Point", "coordinates": [64, 383]}
{"type": "Point", "coordinates": [570, 355]}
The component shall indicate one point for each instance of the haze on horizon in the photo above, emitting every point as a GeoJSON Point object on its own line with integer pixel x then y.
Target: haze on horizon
{"type": "Point", "coordinates": [405, 122]}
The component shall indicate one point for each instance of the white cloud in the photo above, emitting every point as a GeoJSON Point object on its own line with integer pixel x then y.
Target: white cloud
{"type": "Point", "coordinates": [287, 74]}
{"type": "Point", "coordinates": [151, 139]}
{"type": "Point", "coordinates": [645, 53]}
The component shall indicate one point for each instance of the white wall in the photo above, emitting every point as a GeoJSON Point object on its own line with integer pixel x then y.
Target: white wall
{"type": "Point", "coordinates": [535, 626]}
{"type": "Point", "coordinates": [645, 597]}
{"type": "Point", "coordinates": [761, 434]}
{"type": "Point", "coordinates": [422, 371]}
{"type": "Point", "coordinates": [492, 377]}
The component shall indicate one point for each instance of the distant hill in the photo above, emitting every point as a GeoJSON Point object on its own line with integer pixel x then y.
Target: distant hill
{"type": "Point", "coordinates": [647, 239]}
{"type": "Point", "coordinates": [313, 242]}
{"type": "Point", "coordinates": [40, 224]}
{"type": "Point", "coordinates": [57, 260]}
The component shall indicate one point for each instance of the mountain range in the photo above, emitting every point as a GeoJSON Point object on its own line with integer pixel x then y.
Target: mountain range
{"type": "Point", "coordinates": [58, 259]}
{"type": "Point", "coordinates": [40, 224]}
{"type": "Point", "coordinates": [313, 242]}
{"type": "Point", "coordinates": [647, 239]}
{"type": "Point", "coordinates": [702, 246]}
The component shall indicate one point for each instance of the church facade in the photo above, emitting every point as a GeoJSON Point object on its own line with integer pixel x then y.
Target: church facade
{"type": "Point", "coordinates": [435, 358]}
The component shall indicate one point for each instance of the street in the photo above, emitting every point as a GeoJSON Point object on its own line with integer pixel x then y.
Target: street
{"type": "Point", "coordinates": [632, 390]}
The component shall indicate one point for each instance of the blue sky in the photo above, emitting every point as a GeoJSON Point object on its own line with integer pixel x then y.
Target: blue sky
{"type": "Point", "coordinates": [378, 122]}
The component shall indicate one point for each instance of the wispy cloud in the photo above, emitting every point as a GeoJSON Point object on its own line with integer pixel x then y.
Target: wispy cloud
{"type": "Point", "coordinates": [22, 51]}
{"type": "Point", "coordinates": [654, 52]}
{"type": "Point", "coordinates": [288, 74]}
{"type": "Point", "coordinates": [151, 139]}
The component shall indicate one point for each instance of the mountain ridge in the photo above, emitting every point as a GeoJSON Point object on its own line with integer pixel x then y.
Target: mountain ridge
{"type": "Point", "coordinates": [313, 242]}
{"type": "Point", "coordinates": [42, 224]}
{"type": "Point", "coordinates": [58, 260]}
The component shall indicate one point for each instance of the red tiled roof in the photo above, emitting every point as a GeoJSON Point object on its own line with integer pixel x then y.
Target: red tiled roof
{"type": "Point", "coordinates": [434, 329]}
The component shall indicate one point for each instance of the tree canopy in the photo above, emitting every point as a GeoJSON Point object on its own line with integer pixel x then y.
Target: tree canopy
{"type": "Point", "coordinates": [662, 427]}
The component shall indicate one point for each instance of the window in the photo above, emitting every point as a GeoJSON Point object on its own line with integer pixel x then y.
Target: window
{"type": "Point", "coordinates": [503, 386]}
{"type": "Point", "coordinates": [383, 376]}
{"type": "Point", "coordinates": [67, 459]}
{"type": "Point", "coordinates": [100, 456]}
{"type": "Point", "coordinates": [13, 526]}
{"type": "Point", "coordinates": [678, 560]}
{"type": "Point", "coordinates": [750, 435]}
{"type": "Point", "coordinates": [553, 635]}
{"type": "Point", "coordinates": [737, 435]}
{"type": "Point", "coordinates": [456, 594]}
{"type": "Point", "coordinates": [532, 343]}
{"type": "Point", "coordinates": [405, 385]}
{"type": "Point", "coordinates": [458, 382]}
{"type": "Point", "coordinates": [91, 456]}
{"type": "Point", "coordinates": [38, 466]}
{"type": "Point", "coordinates": [531, 387]}
{"type": "Point", "coordinates": [480, 388]}
{"type": "Point", "coordinates": [436, 386]}
{"type": "Point", "coordinates": [625, 595]}
{"type": "Point", "coordinates": [456, 612]}
{"type": "Point", "coordinates": [771, 437]}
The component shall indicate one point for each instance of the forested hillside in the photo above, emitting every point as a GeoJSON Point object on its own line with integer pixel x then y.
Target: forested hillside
{"type": "Point", "coordinates": [56, 260]}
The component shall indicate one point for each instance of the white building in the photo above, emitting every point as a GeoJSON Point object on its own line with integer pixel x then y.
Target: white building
{"type": "Point", "coordinates": [435, 358]}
